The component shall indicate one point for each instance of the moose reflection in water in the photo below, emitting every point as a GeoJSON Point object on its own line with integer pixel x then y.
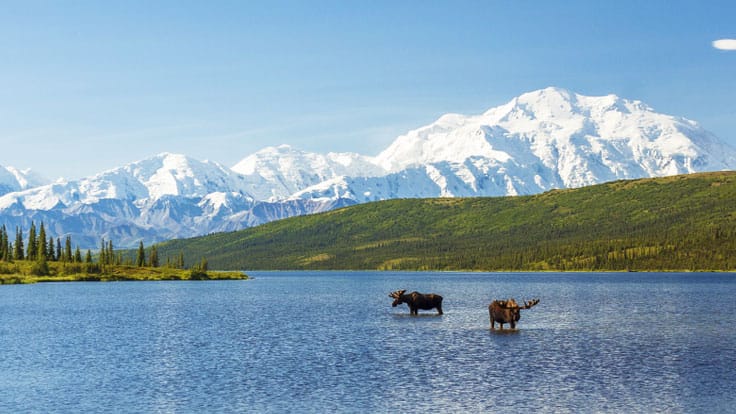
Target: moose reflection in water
{"type": "Point", "coordinates": [507, 311]}
{"type": "Point", "coordinates": [417, 301]}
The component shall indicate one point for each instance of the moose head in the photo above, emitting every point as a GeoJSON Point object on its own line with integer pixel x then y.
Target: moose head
{"type": "Point", "coordinates": [507, 311]}
{"type": "Point", "coordinates": [397, 297]}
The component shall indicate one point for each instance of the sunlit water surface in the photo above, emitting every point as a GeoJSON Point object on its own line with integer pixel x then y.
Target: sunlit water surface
{"type": "Point", "coordinates": [331, 342]}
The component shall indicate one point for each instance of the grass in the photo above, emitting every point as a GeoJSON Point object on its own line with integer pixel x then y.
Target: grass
{"type": "Point", "coordinates": [24, 272]}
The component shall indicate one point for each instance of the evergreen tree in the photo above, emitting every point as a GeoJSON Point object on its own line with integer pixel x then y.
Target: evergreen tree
{"type": "Point", "coordinates": [3, 243]}
{"type": "Point", "coordinates": [103, 252]}
{"type": "Point", "coordinates": [111, 254]}
{"type": "Point", "coordinates": [68, 250]}
{"type": "Point", "coordinates": [18, 253]}
{"type": "Point", "coordinates": [88, 258]}
{"type": "Point", "coordinates": [59, 252]}
{"type": "Point", "coordinates": [41, 243]}
{"type": "Point", "coordinates": [32, 246]}
{"type": "Point", "coordinates": [51, 250]}
{"type": "Point", "coordinates": [141, 259]}
{"type": "Point", "coordinates": [153, 259]}
{"type": "Point", "coordinates": [77, 255]}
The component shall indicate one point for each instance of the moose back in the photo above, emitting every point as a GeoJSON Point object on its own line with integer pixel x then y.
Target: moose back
{"type": "Point", "coordinates": [417, 301]}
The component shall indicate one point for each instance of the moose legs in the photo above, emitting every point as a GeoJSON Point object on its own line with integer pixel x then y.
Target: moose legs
{"type": "Point", "coordinates": [414, 310]}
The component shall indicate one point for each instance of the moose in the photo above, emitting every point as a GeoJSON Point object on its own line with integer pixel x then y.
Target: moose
{"type": "Point", "coordinates": [507, 311]}
{"type": "Point", "coordinates": [417, 301]}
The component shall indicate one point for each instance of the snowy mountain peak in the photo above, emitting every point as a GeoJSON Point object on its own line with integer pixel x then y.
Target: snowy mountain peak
{"type": "Point", "coordinates": [13, 179]}
{"type": "Point", "coordinates": [179, 175]}
{"type": "Point", "coordinates": [570, 140]}
{"type": "Point", "coordinates": [278, 172]}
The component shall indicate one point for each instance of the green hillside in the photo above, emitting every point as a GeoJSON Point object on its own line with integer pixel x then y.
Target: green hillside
{"type": "Point", "coordinates": [674, 223]}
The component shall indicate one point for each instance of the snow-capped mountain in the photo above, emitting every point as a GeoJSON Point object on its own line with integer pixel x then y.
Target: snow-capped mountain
{"type": "Point", "coordinates": [541, 140]}
{"type": "Point", "coordinates": [546, 139]}
{"type": "Point", "coordinates": [553, 138]}
{"type": "Point", "coordinates": [141, 182]}
{"type": "Point", "coordinates": [13, 179]}
{"type": "Point", "coordinates": [164, 197]}
{"type": "Point", "coordinates": [275, 173]}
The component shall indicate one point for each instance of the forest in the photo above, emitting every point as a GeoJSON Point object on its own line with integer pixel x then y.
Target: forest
{"type": "Point", "coordinates": [680, 223]}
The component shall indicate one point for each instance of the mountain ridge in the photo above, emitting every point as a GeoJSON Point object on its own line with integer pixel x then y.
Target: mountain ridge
{"type": "Point", "coordinates": [541, 140]}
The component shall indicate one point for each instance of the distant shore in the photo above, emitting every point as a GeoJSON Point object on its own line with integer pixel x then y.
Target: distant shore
{"type": "Point", "coordinates": [26, 272]}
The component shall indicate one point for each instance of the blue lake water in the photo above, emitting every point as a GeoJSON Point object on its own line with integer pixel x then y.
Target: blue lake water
{"type": "Point", "coordinates": [331, 342]}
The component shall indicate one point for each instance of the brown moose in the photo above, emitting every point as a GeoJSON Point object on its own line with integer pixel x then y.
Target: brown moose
{"type": "Point", "coordinates": [417, 301]}
{"type": "Point", "coordinates": [507, 311]}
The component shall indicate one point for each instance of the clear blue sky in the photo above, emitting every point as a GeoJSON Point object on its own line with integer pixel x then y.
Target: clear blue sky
{"type": "Point", "coordinates": [87, 86]}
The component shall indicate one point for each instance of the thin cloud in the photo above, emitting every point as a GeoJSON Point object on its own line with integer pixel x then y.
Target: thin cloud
{"type": "Point", "coordinates": [725, 44]}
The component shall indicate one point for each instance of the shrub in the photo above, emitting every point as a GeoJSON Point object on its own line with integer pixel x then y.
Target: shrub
{"type": "Point", "coordinates": [40, 268]}
{"type": "Point", "coordinates": [197, 274]}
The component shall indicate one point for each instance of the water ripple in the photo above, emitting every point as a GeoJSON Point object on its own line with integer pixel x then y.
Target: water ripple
{"type": "Point", "coordinates": [320, 342]}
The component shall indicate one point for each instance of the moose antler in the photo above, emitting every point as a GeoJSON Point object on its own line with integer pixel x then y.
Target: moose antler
{"type": "Point", "coordinates": [396, 294]}
{"type": "Point", "coordinates": [511, 304]}
{"type": "Point", "coordinates": [529, 304]}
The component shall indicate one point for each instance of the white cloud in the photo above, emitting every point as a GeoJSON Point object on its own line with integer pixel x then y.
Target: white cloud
{"type": "Point", "coordinates": [725, 44]}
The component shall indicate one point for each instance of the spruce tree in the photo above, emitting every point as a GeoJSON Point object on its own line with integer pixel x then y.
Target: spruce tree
{"type": "Point", "coordinates": [18, 253]}
{"type": "Point", "coordinates": [111, 254]}
{"type": "Point", "coordinates": [41, 243]}
{"type": "Point", "coordinates": [88, 258]}
{"type": "Point", "coordinates": [153, 260]}
{"type": "Point", "coordinates": [3, 242]}
{"type": "Point", "coordinates": [141, 259]}
{"type": "Point", "coordinates": [103, 253]}
{"type": "Point", "coordinates": [51, 250]}
{"type": "Point", "coordinates": [77, 255]}
{"type": "Point", "coordinates": [68, 250]}
{"type": "Point", "coordinates": [59, 252]}
{"type": "Point", "coordinates": [32, 246]}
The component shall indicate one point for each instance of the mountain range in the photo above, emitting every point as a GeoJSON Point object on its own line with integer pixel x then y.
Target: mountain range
{"type": "Point", "coordinates": [541, 140]}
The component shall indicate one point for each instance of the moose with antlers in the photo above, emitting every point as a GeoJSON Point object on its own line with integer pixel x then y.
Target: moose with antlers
{"type": "Point", "coordinates": [417, 301]}
{"type": "Point", "coordinates": [507, 311]}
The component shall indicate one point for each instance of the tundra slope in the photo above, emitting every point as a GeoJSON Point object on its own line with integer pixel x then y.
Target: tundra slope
{"type": "Point", "coordinates": [542, 140]}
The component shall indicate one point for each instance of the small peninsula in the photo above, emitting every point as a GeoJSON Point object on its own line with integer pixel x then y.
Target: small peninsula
{"type": "Point", "coordinates": [35, 257]}
{"type": "Point", "coordinates": [24, 272]}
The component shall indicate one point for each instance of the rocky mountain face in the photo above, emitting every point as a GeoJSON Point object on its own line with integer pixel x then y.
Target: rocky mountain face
{"type": "Point", "coordinates": [546, 139]}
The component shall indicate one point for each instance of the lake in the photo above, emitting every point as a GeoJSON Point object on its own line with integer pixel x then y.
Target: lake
{"type": "Point", "coordinates": [331, 342]}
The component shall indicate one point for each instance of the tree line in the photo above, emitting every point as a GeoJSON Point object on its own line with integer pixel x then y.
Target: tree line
{"type": "Point", "coordinates": [38, 246]}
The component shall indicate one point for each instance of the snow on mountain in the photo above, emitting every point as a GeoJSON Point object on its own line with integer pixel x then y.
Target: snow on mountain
{"type": "Point", "coordinates": [13, 179]}
{"type": "Point", "coordinates": [142, 182]}
{"type": "Point", "coordinates": [275, 173]}
{"type": "Point", "coordinates": [164, 197]}
{"type": "Point", "coordinates": [565, 139]}
{"type": "Point", "coordinates": [545, 139]}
